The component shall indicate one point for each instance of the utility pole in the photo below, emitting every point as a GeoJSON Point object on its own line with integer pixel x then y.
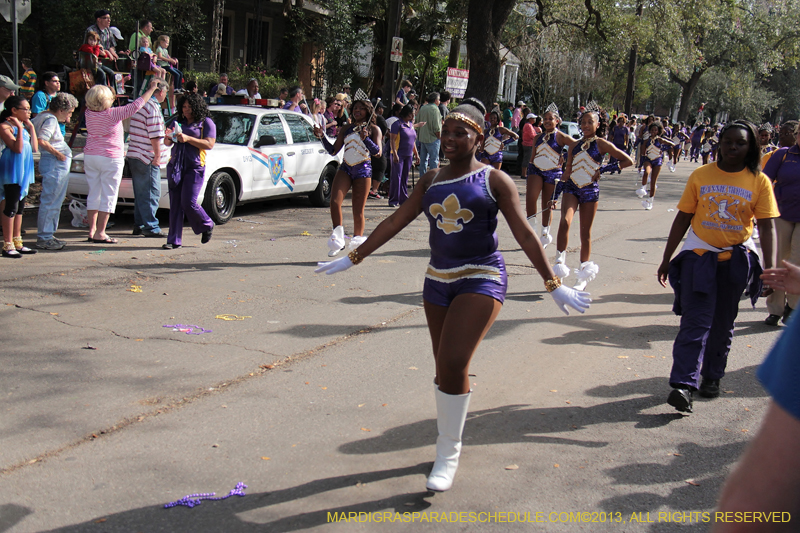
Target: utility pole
{"type": "Point", "coordinates": [389, 66]}
{"type": "Point", "coordinates": [15, 39]}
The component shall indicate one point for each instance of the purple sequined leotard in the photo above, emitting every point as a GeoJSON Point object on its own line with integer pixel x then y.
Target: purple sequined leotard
{"type": "Point", "coordinates": [464, 257]}
{"type": "Point", "coordinates": [547, 162]}
{"type": "Point", "coordinates": [496, 157]}
{"type": "Point", "coordinates": [589, 165]}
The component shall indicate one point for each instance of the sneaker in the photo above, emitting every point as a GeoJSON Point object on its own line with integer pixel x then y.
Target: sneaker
{"type": "Point", "coordinates": [49, 244]}
{"type": "Point", "coordinates": [374, 195]}
{"type": "Point", "coordinates": [787, 312]}
{"type": "Point", "coordinates": [641, 192]}
{"type": "Point", "coordinates": [647, 203]}
{"type": "Point", "coordinates": [136, 230]}
{"type": "Point", "coordinates": [671, 167]}
{"type": "Point", "coordinates": [772, 320]}
{"type": "Point", "coordinates": [709, 388]}
{"type": "Point", "coordinates": [681, 400]}
{"type": "Point", "coordinates": [156, 233]}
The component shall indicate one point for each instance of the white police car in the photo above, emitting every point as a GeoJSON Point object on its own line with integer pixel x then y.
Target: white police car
{"type": "Point", "coordinates": [260, 153]}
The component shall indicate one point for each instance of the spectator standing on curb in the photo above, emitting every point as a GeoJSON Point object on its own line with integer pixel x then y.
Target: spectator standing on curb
{"type": "Point", "coordinates": [528, 136]}
{"type": "Point", "coordinates": [7, 88]}
{"type": "Point", "coordinates": [144, 160]}
{"type": "Point", "coordinates": [54, 163]}
{"type": "Point", "coordinates": [28, 80]}
{"type": "Point", "coordinates": [508, 114]}
{"type": "Point", "coordinates": [48, 86]}
{"type": "Point", "coordinates": [429, 121]}
{"type": "Point", "coordinates": [516, 118]}
{"type": "Point", "coordinates": [444, 101]}
{"type": "Point", "coordinates": [295, 97]}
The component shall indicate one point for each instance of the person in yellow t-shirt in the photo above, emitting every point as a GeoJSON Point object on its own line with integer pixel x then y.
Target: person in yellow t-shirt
{"type": "Point", "coordinates": [718, 260]}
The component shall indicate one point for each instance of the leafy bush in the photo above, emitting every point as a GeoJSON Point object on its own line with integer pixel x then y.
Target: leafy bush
{"type": "Point", "coordinates": [269, 80]}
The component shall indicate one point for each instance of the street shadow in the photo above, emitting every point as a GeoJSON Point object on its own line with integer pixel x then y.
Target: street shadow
{"type": "Point", "coordinates": [12, 514]}
{"type": "Point", "coordinates": [521, 424]}
{"type": "Point", "coordinates": [226, 515]}
{"type": "Point", "coordinates": [661, 298]}
{"type": "Point", "coordinates": [406, 298]}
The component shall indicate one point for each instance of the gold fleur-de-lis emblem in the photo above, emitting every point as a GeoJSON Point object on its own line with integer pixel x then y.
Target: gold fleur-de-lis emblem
{"type": "Point", "coordinates": [448, 213]}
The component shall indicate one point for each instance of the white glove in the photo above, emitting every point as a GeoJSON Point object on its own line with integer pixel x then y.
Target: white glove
{"type": "Point", "coordinates": [567, 296]}
{"type": "Point", "coordinates": [338, 265]}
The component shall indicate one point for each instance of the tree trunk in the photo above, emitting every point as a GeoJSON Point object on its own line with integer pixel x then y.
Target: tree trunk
{"type": "Point", "coordinates": [688, 90]}
{"type": "Point", "coordinates": [632, 69]}
{"type": "Point", "coordinates": [216, 34]}
{"type": "Point", "coordinates": [485, 22]}
{"type": "Point", "coordinates": [455, 45]}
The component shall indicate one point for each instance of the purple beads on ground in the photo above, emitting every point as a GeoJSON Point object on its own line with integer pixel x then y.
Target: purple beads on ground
{"type": "Point", "coordinates": [196, 499]}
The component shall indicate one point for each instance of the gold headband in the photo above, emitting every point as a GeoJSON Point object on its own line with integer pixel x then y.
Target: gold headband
{"type": "Point", "coordinates": [468, 121]}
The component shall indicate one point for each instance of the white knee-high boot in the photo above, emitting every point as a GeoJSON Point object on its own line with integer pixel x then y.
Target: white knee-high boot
{"type": "Point", "coordinates": [560, 268]}
{"type": "Point", "coordinates": [451, 412]}
{"type": "Point", "coordinates": [336, 241]}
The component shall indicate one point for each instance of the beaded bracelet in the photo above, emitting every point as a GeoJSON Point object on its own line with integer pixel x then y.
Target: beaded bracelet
{"type": "Point", "coordinates": [552, 284]}
{"type": "Point", "coordinates": [354, 257]}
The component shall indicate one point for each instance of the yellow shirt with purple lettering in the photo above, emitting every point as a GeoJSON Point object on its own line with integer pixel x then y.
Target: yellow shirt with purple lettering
{"type": "Point", "coordinates": [725, 203]}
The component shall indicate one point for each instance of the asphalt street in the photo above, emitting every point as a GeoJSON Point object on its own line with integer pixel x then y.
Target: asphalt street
{"type": "Point", "coordinates": [125, 388]}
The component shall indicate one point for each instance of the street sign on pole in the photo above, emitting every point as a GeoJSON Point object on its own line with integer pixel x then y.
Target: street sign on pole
{"type": "Point", "coordinates": [397, 49]}
{"type": "Point", "coordinates": [456, 83]}
{"type": "Point", "coordinates": [15, 11]}
{"type": "Point", "coordinates": [23, 9]}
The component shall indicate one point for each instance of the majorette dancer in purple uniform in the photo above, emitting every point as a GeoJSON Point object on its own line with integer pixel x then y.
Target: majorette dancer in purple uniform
{"type": "Point", "coordinates": [465, 283]}
{"type": "Point", "coordinates": [581, 190]}
{"type": "Point", "coordinates": [652, 160]}
{"type": "Point", "coordinates": [361, 140]}
{"type": "Point", "coordinates": [697, 140]}
{"type": "Point", "coordinates": [494, 137]}
{"type": "Point", "coordinates": [544, 170]}
{"type": "Point", "coordinates": [679, 137]}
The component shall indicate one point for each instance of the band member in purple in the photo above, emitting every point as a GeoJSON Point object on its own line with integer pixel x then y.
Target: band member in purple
{"type": "Point", "coordinates": [494, 137]}
{"type": "Point", "coordinates": [653, 149]}
{"type": "Point", "coordinates": [679, 138]}
{"type": "Point", "coordinates": [697, 141]}
{"type": "Point", "coordinates": [361, 140]}
{"type": "Point", "coordinates": [581, 191]}
{"type": "Point", "coordinates": [544, 171]}
{"type": "Point", "coordinates": [186, 170]}
{"type": "Point", "coordinates": [402, 142]}
{"type": "Point", "coordinates": [465, 283]}
{"type": "Point", "coordinates": [620, 137]}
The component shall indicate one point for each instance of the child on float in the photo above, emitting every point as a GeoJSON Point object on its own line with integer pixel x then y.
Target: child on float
{"type": "Point", "coordinates": [360, 140]}
{"type": "Point", "coordinates": [653, 149]}
{"type": "Point", "coordinates": [582, 192]}
{"type": "Point", "coordinates": [494, 137]}
{"type": "Point", "coordinates": [466, 281]}
{"type": "Point", "coordinates": [718, 260]}
{"type": "Point", "coordinates": [545, 170]}
{"type": "Point", "coordinates": [16, 171]}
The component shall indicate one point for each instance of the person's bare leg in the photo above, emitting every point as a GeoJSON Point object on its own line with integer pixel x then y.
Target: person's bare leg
{"type": "Point", "coordinates": [339, 188]}
{"type": "Point", "coordinates": [547, 197]}
{"type": "Point", "coordinates": [360, 193]}
{"type": "Point", "coordinates": [102, 221]}
{"type": "Point", "coordinates": [91, 217]}
{"type": "Point", "coordinates": [533, 188]}
{"type": "Point", "coordinates": [568, 206]}
{"type": "Point", "coordinates": [653, 179]}
{"type": "Point", "coordinates": [587, 212]}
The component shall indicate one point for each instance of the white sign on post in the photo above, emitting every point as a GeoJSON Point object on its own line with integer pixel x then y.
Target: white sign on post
{"type": "Point", "coordinates": [456, 83]}
{"type": "Point", "coordinates": [23, 9]}
{"type": "Point", "coordinates": [397, 49]}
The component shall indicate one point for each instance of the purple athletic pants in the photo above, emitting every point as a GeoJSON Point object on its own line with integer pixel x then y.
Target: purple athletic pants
{"type": "Point", "coordinates": [707, 320]}
{"type": "Point", "coordinates": [398, 184]}
{"type": "Point", "coordinates": [183, 200]}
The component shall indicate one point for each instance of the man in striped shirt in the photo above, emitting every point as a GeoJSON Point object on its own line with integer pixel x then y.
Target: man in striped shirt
{"type": "Point", "coordinates": [144, 156]}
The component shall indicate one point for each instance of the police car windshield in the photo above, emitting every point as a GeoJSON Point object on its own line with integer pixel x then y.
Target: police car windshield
{"type": "Point", "coordinates": [233, 128]}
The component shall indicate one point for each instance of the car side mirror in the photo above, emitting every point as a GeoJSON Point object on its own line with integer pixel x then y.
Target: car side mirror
{"type": "Point", "coordinates": [265, 140]}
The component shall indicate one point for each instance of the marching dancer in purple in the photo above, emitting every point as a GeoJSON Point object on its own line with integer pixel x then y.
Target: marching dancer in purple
{"type": "Point", "coordinates": [581, 191]}
{"type": "Point", "coordinates": [361, 140]}
{"type": "Point", "coordinates": [465, 283]}
{"type": "Point", "coordinates": [652, 159]}
{"type": "Point", "coordinates": [494, 137]}
{"type": "Point", "coordinates": [544, 171]}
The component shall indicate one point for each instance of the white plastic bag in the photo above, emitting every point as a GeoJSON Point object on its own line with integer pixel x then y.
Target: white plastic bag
{"type": "Point", "coordinates": [80, 218]}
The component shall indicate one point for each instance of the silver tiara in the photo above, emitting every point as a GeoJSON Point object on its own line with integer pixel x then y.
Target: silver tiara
{"type": "Point", "coordinates": [592, 106]}
{"type": "Point", "coordinates": [552, 108]}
